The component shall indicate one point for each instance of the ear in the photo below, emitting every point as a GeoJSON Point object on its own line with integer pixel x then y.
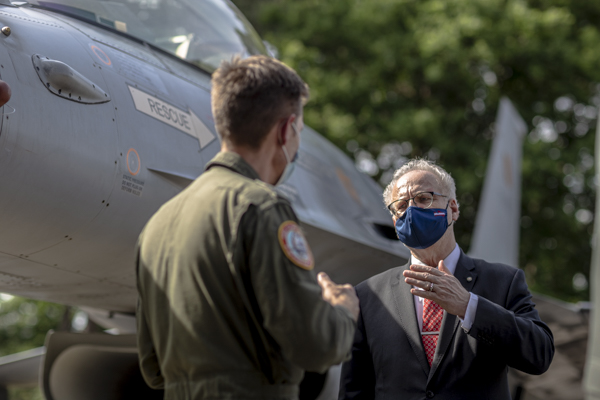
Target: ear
{"type": "Point", "coordinates": [454, 208]}
{"type": "Point", "coordinates": [285, 129]}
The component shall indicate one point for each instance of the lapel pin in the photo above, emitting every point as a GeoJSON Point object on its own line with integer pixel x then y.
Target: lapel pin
{"type": "Point", "coordinates": [469, 279]}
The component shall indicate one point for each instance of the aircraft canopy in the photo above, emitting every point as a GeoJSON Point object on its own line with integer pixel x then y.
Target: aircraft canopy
{"type": "Point", "coordinates": [202, 32]}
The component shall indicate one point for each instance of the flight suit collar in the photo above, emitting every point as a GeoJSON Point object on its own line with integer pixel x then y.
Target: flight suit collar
{"type": "Point", "coordinates": [234, 162]}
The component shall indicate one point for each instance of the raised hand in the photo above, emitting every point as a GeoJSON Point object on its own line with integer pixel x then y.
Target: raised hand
{"type": "Point", "coordinates": [439, 285]}
{"type": "Point", "coordinates": [339, 295]}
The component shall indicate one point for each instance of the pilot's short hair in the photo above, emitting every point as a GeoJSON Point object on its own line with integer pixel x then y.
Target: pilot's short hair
{"type": "Point", "coordinates": [249, 96]}
{"type": "Point", "coordinates": [443, 178]}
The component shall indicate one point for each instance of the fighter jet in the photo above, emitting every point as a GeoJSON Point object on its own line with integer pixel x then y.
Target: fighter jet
{"type": "Point", "coordinates": [108, 116]}
{"type": "Point", "coordinates": [112, 118]}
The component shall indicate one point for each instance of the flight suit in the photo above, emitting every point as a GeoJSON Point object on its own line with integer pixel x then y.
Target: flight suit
{"type": "Point", "coordinates": [229, 306]}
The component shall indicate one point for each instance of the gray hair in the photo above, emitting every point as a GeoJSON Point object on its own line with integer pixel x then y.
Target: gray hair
{"type": "Point", "coordinates": [443, 178]}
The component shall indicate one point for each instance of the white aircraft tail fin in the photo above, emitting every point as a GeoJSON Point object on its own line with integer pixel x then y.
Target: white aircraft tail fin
{"type": "Point", "coordinates": [498, 216]}
{"type": "Point", "coordinates": [591, 382]}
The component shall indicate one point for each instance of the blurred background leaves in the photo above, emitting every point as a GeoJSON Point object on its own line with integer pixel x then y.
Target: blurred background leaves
{"type": "Point", "coordinates": [24, 323]}
{"type": "Point", "coordinates": [392, 80]}
{"type": "Point", "coordinates": [23, 326]}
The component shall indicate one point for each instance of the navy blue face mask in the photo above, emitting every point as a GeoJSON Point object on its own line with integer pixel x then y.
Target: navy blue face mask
{"type": "Point", "coordinates": [420, 228]}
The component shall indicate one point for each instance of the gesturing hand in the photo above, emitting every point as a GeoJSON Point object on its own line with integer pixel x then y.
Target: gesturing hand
{"type": "Point", "coordinates": [339, 295]}
{"type": "Point", "coordinates": [439, 285]}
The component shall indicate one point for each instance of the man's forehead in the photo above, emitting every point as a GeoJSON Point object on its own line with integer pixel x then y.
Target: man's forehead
{"type": "Point", "coordinates": [416, 181]}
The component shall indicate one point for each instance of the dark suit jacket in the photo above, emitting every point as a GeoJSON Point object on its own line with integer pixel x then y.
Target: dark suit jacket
{"type": "Point", "coordinates": [388, 359]}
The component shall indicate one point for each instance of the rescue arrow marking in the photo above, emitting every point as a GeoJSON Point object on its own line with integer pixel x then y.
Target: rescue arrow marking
{"type": "Point", "coordinates": [203, 134]}
{"type": "Point", "coordinates": [185, 121]}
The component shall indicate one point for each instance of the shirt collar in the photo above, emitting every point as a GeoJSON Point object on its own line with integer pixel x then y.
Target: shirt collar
{"type": "Point", "coordinates": [450, 261]}
{"type": "Point", "coordinates": [234, 162]}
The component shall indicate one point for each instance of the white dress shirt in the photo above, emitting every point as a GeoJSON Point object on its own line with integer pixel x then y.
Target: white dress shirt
{"type": "Point", "coordinates": [450, 263]}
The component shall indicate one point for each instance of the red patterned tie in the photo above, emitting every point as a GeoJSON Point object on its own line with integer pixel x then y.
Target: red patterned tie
{"type": "Point", "coordinates": [432, 322]}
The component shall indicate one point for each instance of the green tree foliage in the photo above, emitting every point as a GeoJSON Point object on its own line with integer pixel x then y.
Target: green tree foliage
{"type": "Point", "coordinates": [23, 326]}
{"type": "Point", "coordinates": [24, 323]}
{"type": "Point", "coordinates": [391, 80]}
{"type": "Point", "coordinates": [25, 393]}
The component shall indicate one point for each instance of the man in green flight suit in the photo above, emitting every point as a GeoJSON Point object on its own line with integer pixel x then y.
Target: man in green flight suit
{"type": "Point", "coordinates": [229, 305]}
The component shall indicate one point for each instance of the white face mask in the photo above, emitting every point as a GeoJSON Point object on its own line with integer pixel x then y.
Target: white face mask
{"type": "Point", "coordinates": [289, 167]}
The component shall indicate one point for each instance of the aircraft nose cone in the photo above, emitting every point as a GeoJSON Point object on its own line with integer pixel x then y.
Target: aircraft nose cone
{"type": "Point", "coordinates": [4, 93]}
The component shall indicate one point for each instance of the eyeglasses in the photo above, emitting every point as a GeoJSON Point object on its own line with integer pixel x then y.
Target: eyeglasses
{"type": "Point", "coordinates": [421, 200]}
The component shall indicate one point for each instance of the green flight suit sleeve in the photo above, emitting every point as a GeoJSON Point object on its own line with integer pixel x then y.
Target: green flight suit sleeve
{"type": "Point", "coordinates": [149, 363]}
{"type": "Point", "coordinates": [311, 333]}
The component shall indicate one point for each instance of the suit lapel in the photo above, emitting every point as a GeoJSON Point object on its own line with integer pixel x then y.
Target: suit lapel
{"type": "Point", "coordinates": [405, 307]}
{"type": "Point", "coordinates": [467, 275]}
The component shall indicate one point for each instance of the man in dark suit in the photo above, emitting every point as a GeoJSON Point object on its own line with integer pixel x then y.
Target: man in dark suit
{"type": "Point", "coordinates": [443, 326]}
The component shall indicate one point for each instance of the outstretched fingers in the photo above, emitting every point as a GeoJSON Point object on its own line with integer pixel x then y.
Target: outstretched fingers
{"type": "Point", "coordinates": [425, 285]}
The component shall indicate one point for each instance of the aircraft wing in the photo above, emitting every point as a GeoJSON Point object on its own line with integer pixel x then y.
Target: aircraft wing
{"type": "Point", "coordinates": [348, 227]}
{"type": "Point", "coordinates": [21, 368]}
